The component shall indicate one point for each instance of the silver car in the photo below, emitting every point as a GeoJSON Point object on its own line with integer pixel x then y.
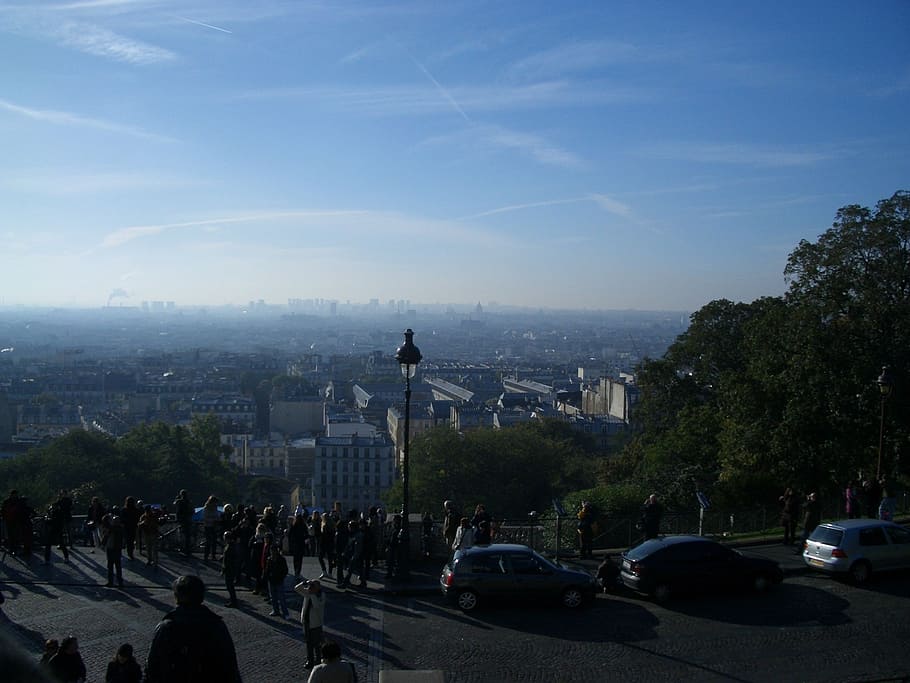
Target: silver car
{"type": "Point", "coordinates": [857, 547]}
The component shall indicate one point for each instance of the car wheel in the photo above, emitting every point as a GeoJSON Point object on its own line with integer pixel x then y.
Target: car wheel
{"type": "Point", "coordinates": [572, 598]}
{"type": "Point", "coordinates": [761, 583]}
{"type": "Point", "coordinates": [860, 572]}
{"type": "Point", "coordinates": [467, 600]}
{"type": "Point", "coordinates": [661, 592]}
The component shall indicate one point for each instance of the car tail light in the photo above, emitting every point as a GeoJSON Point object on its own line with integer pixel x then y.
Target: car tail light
{"type": "Point", "coordinates": [837, 552]}
{"type": "Point", "coordinates": [449, 579]}
{"type": "Point", "coordinates": [636, 568]}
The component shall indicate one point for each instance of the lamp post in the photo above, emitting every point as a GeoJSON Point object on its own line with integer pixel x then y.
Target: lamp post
{"type": "Point", "coordinates": [408, 357]}
{"type": "Point", "coordinates": [885, 384]}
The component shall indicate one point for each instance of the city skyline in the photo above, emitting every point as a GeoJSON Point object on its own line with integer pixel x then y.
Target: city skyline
{"type": "Point", "coordinates": [600, 156]}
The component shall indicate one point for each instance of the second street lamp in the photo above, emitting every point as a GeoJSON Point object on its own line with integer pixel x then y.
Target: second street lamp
{"type": "Point", "coordinates": [408, 357]}
{"type": "Point", "coordinates": [885, 384]}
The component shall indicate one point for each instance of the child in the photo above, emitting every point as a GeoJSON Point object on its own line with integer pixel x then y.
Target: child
{"type": "Point", "coordinates": [123, 668]}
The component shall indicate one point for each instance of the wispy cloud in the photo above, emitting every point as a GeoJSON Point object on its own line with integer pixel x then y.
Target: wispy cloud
{"type": "Point", "coordinates": [89, 182]}
{"type": "Point", "coordinates": [62, 118]}
{"type": "Point", "coordinates": [413, 101]}
{"type": "Point", "coordinates": [576, 58]}
{"type": "Point", "coordinates": [101, 42]}
{"type": "Point", "coordinates": [741, 154]}
{"type": "Point", "coordinates": [121, 236]}
{"type": "Point", "coordinates": [609, 204]}
{"type": "Point", "coordinates": [483, 138]}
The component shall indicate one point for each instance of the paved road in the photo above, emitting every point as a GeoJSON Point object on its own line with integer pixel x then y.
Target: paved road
{"type": "Point", "coordinates": [809, 629]}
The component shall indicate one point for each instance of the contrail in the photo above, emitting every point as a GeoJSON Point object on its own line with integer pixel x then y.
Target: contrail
{"type": "Point", "coordinates": [443, 91]}
{"type": "Point", "coordinates": [201, 23]}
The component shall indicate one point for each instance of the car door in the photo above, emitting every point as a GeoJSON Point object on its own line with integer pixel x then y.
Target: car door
{"type": "Point", "coordinates": [714, 566]}
{"type": "Point", "coordinates": [874, 546]}
{"type": "Point", "coordinates": [899, 549]}
{"type": "Point", "coordinates": [532, 578]}
{"type": "Point", "coordinates": [490, 575]}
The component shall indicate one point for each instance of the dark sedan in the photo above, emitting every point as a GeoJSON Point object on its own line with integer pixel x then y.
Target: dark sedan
{"type": "Point", "coordinates": [506, 571]}
{"type": "Point", "coordinates": [662, 567]}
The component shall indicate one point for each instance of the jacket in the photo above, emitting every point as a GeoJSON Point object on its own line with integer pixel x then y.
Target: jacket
{"type": "Point", "coordinates": [316, 602]}
{"type": "Point", "coordinates": [192, 644]}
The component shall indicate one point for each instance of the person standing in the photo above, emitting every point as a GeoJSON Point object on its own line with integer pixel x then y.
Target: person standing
{"type": "Point", "coordinates": [191, 643]}
{"type": "Point", "coordinates": [297, 541]}
{"type": "Point", "coordinates": [887, 507]}
{"type": "Point", "coordinates": [789, 515]}
{"type": "Point", "coordinates": [333, 668]}
{"type": "Point", "coordinates": [851, 501]}
{"type": "Point", "coordinates": [312, 617]}
{"type": "Point", "coordinates": [450, 522]}
{"type": "Point", "coordinates": [230, 567]}
{"type": "Point", "coordinates": [353, 553]}
{"type": "Point", "coordinates": [112, 542]}
{"type": "Point", "coordinates": [123, 668]}
{"type": "Point", "coordinates": [148, 527]}
{"type": "Point", "coordinates": [55, 531]}
{"type": "Point", "coordinates": [93, 518]}
{"type": "Point", "coordinates": [183, 510]}
{"type": "Point", "coordinates": [327, 545]}
{"type": "Point", "coordinates": [464, 536]}
{"type": "Point", "coordinates": [129, 516]}
{"type": "Point", "coordinates": [585, 528]}
{"type": "Point", "coordinates": [276, 569]}
{"type": "Point", "coordinates": [210, 523]}
{"type": "Point", "coordinates": [651, 513]}
{"type": "Point", "coordinates": [66, 665]}
{"type": "Point", "coordinates": [811, 517]}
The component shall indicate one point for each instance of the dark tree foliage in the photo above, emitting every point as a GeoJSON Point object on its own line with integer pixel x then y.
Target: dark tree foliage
{"type": "Point", "coordinates": [782, 391]}
{"type": "Point", "coordinates": [512, 471]}
{"type": "Point", "coordinates": [151, 462]}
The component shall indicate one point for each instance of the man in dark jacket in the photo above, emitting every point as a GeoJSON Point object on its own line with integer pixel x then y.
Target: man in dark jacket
{"type": "Point", "coordinates": [191, 643]}
{"type": "Point", "coordinates": [183, 509]}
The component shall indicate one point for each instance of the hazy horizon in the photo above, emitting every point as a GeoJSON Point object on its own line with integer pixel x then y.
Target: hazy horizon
{"type": "Point", "coordinates": [592, 156]}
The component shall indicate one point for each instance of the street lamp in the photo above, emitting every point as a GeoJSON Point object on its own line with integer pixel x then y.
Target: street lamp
{"type": "Point", "coordinates": [408, 357]}
{"type": "Point", "coordinates": [885, 385]}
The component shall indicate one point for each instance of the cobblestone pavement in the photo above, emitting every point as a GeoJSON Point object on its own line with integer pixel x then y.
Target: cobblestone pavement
{"type": "Point", "coordinates": [63, 599]}
{"type": "Point", "coordinates": [809, 629]}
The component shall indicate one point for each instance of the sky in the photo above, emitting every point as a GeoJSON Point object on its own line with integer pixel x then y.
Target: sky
{"type": "Point", "coordinates": [577, 155]}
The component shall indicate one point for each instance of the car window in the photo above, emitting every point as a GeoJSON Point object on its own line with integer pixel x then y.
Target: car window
{"type": "Point", "coordinates": [827, 535]}
{"type": "Point", "coordinates": [488, 564]}
{"type": "Point", "coordinates": [873, 536]}
{"type": "Point", "coordinates": [693, 552]}
{"type": "Point", "coordinates": [525, 565]}
{"type": "Point", "coordinates": [899, 535]}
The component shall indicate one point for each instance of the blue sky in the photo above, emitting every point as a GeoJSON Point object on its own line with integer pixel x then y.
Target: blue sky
{"type": "Point", "coordinates": [594, 155]}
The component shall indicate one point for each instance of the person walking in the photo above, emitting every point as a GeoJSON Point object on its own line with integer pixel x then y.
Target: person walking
{"type": "Point", "coordinates": [312, 617]}
{"type": "Point", "coordinates": [353, 553]}
{"type": "Point", "coordinates": [191, 643]}
{"type": "Point", "coordinates": [93, 518]}
{"type": "Point", "coordinates": [585, 529]}
{"type": "Point", "coordinates": [230, 567]}
{"type": "Point", "coordinates": [327, 545]}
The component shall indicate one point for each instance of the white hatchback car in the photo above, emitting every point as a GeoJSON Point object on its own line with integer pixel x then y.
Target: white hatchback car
{"type": "Point", "coordinates": [857, 547]}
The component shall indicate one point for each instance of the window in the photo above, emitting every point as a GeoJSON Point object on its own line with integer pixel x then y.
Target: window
{"type": "Point", "coordinates": [873, 536]}
{"type": "Point", "coordinates": [356, 452]}
{"type": "Point", "coordinates": [899, 535]}
{"type": "Point", "coordinates": [344, 452]}
{"type": "Point", "coordinates": [525, 565]}
{"type": "Point", "coordinates": [488, 564]}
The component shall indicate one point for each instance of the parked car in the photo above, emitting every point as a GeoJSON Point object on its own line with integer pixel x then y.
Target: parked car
{"type": "Point", "coordinates": [858, 547]}
{"type": "Point", "coordinates": [662, 567]}
{"type": "Point", "coordinates": [510, 572]}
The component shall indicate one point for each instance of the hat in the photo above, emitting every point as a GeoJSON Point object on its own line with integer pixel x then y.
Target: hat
{"type": "Point", "coordinates": [125, 650]}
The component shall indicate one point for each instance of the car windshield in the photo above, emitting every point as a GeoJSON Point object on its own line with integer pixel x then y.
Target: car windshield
{"type": "Point", "coordinates": [827, 535]}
